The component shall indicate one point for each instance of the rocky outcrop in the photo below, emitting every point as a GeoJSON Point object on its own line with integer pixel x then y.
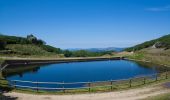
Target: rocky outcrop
{"type": "Point", "coordinates": [158, 45]}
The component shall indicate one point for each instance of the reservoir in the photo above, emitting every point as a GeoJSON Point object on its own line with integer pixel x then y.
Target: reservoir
{"type": "Point", "coordinates": [80, 71]}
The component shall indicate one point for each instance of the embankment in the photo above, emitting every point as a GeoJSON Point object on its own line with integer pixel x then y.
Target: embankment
{"type": "Point", "coordinates": [48, 61]}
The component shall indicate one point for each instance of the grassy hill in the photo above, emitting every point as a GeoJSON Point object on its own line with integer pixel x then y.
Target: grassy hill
{"type": "Point", "coordinates": [29, 46]}
{"type": "Point", "coordinates": [162, 42]}
{"type": "Point", "coordinates": [28, 49]}
{"type": "Point", "coordinates": [156, 51]}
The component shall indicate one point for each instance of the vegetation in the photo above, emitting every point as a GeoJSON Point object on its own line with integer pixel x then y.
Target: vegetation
{"type": "Point", "coordinates": [49, 48]}
{"type": "Point", "coordinates": [85, 53]}
{"type": "Point", "coordinates": [138, 56]}
{"type": "Point", "coordinates": [2, 45]}
{"type": "Point", "coordinates": [31, 46]}
{"type": "Point", "coordinates": [25, 46]}
{"type": "Point", "coordinates": [156, 56]}
{"type": "Point", "coordinates": [33, 40]}
{"type": "Point", "coordinates": [67, 53]}
{"type": "Point", "coordinates": [157, 51]}
{"type": "Point", "coordinates": [20, 40]}
{"type": "Point", "coordinates": [28, 49]}
{"type": "Point", "coordinates": [162, 42]}
{"type": "Point", "coordinates": [1, 61]}
{"type": "Point", "coordinates": [165, 96]}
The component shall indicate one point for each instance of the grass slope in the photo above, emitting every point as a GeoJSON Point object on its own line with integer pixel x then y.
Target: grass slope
{"type": "Point", "coordinates": [24, 47]}
{"type": "Point", "coordinates": [29, 50]}
{"type": "Point", "coordinates": [160, 97]}
{"type": "Point", "coordinates": [164, 40]}
{"type": "Point", "coordinates": [157, 56]}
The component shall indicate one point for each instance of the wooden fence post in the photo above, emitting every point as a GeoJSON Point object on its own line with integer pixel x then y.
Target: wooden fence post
{"type": "Point", "coordinates": [144, 80]}
{"type": "Point", "coordinates": [166, 76]}
{"type": "Point", "coordinates": [63, 88]}
{"type": "Point", "coordinates": [130, 83]}
{"type": "Point", "coordinates": [111, 85]}
{"type": "Point", "coordinates": [89, 86]}
{"type": "Point", "coordinates": [156, 77]}
{"type": "Point", "coordinates": [37, 86]}
{"type": "Point", "coordinates": [15, 84]}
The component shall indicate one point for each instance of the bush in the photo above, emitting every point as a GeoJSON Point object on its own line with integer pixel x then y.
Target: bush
{"type": "Point", "coordinates": [2, 45]}
{"type": "Point", "coordinates": [51, 49]}
{"type": "Point", "coordinates": [85, 53]}
{"type": "Point", "coordinates": [67, 53]}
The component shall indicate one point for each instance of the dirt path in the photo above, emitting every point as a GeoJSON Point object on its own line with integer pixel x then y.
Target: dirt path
{"type": "Point", "coordinates": [132, 94]}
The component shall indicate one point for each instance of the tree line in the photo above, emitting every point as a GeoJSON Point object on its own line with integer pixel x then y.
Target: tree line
{"type": "Point", "coordinates": [31, 39]}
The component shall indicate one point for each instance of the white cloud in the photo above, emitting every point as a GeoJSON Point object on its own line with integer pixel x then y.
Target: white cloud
{"type": "Point", "coordinates": [158, 9]}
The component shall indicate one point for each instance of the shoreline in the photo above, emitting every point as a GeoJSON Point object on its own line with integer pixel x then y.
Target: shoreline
{"type": "Point", "coordinates": [71, 60]}
{"type": "Point", "coordinates": [28, 61]}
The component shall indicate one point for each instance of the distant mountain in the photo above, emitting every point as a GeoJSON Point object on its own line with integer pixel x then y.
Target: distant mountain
{"type": "Point", "coordinates": [98, 49]}
{"type": "Point", "coordinates": [162, 42]}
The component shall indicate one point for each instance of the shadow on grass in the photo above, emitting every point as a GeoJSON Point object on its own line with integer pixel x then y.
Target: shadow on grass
{"type": "Point", "coordinates": [4, 88]}
{"type": "Point", "coordinates": [3, 97]}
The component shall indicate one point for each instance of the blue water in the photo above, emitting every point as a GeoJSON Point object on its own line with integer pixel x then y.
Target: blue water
{"type": "Point", "coordinates": [85, 71]}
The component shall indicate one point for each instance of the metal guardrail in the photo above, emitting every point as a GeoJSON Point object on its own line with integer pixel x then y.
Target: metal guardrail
{"type": "Point", "coordinates": [89, 85]}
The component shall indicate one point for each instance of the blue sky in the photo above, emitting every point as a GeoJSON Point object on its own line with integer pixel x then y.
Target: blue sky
{"type": "Point", "coordinates": [86, 23]}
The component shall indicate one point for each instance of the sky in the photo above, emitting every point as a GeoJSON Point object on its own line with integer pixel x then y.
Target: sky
{"type": "Point", "coordinates": [86, 23]}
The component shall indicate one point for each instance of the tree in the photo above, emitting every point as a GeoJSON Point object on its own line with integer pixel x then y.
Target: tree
{"type": "Point", "coordinates": [2, 45]}
{"type": "Point", "coordinates": [51, 49]}
{"type": "Point", "coordinates": [34, 40]}
{"type": "Point", "coordinates": [81, 53]}
{"type": "Point", "coordinates": [40, 42]}
{"type": "Point", "coordinates": [67, 53]}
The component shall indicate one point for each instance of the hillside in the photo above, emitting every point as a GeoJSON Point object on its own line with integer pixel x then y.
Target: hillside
{"type": "Point", "coordinates": [29, 46]}
{"type": "Point", "coordinates": [162, 42]}
{"type": "Point", "coordinates": [156, 51]}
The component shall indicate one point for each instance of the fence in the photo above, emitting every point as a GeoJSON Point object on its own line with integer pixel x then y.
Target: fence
{"type": "Point", "coordinates": [88, 86]}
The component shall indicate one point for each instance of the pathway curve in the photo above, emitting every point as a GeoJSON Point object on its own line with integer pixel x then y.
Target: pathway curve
{"type": "Point", "coordinates": [132, 94]}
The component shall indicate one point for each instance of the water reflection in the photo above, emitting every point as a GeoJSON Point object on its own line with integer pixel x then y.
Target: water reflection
{"type": "Point", "coordinates": [82, 71]}
{"type": "Point", "coordinates": [13, 70]}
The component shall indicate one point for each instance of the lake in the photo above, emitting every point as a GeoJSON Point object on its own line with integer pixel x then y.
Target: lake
{"type": "Point", "coordinates": [81, 71]}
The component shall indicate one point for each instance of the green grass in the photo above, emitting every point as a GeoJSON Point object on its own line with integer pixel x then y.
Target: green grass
{"type": "Point", "coordinates": [165, 96]}
{"type": "Point", "coordinates": [156, 56]}
{"type": "Point", "coordinates": [4, 83]}
{"type": "Point", "coordinates": [28, 50]}
{"type": "Point", "coordinates": [164, 40]}
{"type": "Point", "coordinates": [137, 56]}
{"type": "Point", "coordinates": [1, 61]}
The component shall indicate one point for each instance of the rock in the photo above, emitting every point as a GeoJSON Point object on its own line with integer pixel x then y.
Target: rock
{"type": "Point", "coordinates": [157, 45]}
